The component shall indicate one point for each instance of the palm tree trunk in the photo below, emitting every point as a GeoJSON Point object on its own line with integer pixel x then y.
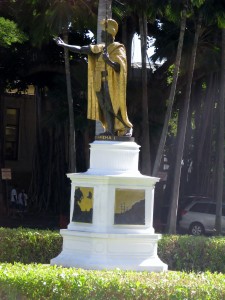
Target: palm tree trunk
{"type": "Point", "coordinates": [172, 218]}
{"type": "Point", "coordinates": [104, 10]}
{"type": "Point", "coordinates": [146, 160]}
{"type": "Point", "coordinates": [3, 188]}
{"type": "Point", "coordinates": [72, 146]}
{"type": "Point", "coordinates": [171, 96]}
{"type": "Point", "coordinates": [220, 152]}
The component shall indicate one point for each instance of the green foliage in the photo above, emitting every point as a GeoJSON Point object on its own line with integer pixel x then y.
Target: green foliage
{"type": "Point", "coordinates": [189, 253]}
{"type": "Point", "coordinates": [204, 86]}
{"type": "Point", "coordinates": [49, 282]}
{"type": "Point", "coordinates": [44, 19]}
{"type": "Point", "coordinates": [181, 253]}
{"type": "Point", "coordinates": [197, 3]}
{"type": "Point", "coordinates": [221, 20]}
{"type": "Point", "coordinates": [173, 124]}
{"type": "Point", "coordinates": [25, 278]}
{"type": "Point", "coordinates": [170, 72]}
{"type": "Point", "coordinates": [10, 33]}
{"type": "Point", "coordinates": [28, 245]}
{"type": "Point", "coordinates": [171, 14]}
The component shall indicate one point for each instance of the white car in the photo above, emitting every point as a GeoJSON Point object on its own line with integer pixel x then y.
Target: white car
{"type": "Point", "coordinates": [199, 218]}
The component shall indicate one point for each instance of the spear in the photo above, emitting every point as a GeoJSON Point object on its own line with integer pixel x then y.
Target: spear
{"type": "Point", "coordinates": [106, 33]}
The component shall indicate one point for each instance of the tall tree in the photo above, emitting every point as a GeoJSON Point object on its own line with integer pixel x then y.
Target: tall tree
{"type": "Point", "coordinates": [59, 16]}
{"type": "Point", "coordinates": [9, 35]}
{"type": "Point", "coordinates": [48, 18]}
{"type": "Point", "coordinates": [220, 158]}
{"type": "Point", "coordinates": [146, 158]}
{"type": "Point", "coordinates": [104, 11]}
{"type": "Point", "coordinates": [164, 133]}
{"type": "Point", "coordinates": [144, 10]}
{"type": "Point", "coordinates": [45, 19]}
{"type": "Point", "coordinates": [172, 217]}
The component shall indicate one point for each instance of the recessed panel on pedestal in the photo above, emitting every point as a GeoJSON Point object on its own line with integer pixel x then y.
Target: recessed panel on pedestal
{"type": "Point", "coordinates": [129, 207]}
{"type": "Point", "coordinates": [83, 204]}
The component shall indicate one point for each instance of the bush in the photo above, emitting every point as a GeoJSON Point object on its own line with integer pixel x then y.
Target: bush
{"type": "Point", "coordinates": [45, 282]}
{"type": "Point", "coordinates": [26, 281]}
{"type": "Point", "coordinates": [29, 245]}
{"type": "Point", "coordinates": [190, 253]}
{"type": "Point", "coordinates": [180, 253]}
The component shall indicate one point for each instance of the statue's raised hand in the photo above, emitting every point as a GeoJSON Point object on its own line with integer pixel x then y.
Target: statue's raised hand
{"type": "Point", "coordinates": [59, 41]}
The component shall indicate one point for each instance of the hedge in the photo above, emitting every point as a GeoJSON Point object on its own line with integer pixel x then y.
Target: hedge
{"type": "Point", "coordinates": [29, 245]}
{"type": "Point", "coordinates": [181, 253]}
{"type": "Point", "coordinates": [22, 279]}
{"type": "Point", "coordinates": [28, 282]}
{"type": "Point", "coordinates": [191, 253]}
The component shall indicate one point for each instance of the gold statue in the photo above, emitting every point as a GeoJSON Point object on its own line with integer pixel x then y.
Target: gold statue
{"type": "Point", "coordinates": [107, 79]}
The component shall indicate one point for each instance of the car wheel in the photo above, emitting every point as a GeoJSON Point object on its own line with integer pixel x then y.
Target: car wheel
{"type": "Point", "coordinates": [196, 229]}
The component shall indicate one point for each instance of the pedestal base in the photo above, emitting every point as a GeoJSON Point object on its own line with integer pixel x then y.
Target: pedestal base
{"type": "Point", "coordinates": [110, 251]}
{"type": "Point", "coordinates": [111, 214]}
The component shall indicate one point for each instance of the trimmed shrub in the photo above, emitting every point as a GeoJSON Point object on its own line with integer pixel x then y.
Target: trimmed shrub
{"type": "Point", "coordinates": [190, 253]}
{"type": "Point", "coordinates": [27, 282]}
{"type": "Point", "coordinates": [29, 245]}
{"type": "Point", "coordinates": [180, 253]}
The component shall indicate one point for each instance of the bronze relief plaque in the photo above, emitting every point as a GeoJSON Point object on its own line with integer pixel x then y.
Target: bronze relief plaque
{"type": "Point", "coordinates": [129, 207]}
{"type": "Point", "coordinates": [83, 204]}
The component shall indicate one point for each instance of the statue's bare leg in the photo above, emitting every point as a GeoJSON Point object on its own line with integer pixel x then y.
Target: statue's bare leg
{"type": "Point", "coordinates": [125, 131]}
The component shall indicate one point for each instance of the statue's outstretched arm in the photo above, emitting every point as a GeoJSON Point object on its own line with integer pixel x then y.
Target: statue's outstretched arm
{"type": "Point", "coordinates": [73, 48]}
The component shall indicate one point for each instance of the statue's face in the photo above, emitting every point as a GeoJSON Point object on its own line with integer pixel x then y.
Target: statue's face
{"type": "Point", "coordinates": [105, 36]}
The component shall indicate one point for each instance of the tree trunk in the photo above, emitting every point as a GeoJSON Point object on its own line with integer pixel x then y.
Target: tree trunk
{"type": "Point", "coordinates": [3, 187]}
{"type": "Point", "coordinates": [145, 157]}
{"type": "Point", "coordinates": [171, 96]}
{"type": "Point", "coordinates": [49, 165]}
{"type": "Point", "coordinates": [72, 146]}
{"type": "Point", "coordinates": [203, 142]}
{"type": "Point", "coordinates": [104, 10]}
{"type": "Point", "coordinates": [220, 152]}
{"type": "Point", "coordinates": [172, 218]}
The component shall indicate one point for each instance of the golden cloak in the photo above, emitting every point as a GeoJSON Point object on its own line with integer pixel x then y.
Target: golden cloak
{"type": "Point", "coordinates": [117, 82]}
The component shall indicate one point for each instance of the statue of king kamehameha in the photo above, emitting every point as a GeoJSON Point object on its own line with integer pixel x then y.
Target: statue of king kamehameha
{"type": "Point", "coordinates": [107, 80]}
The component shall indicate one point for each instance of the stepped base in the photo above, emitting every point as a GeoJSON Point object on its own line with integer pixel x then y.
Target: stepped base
{"type": "Point", "coordinates": [111, 213]}
{"type": "Point", "coordinates": [98, 251]}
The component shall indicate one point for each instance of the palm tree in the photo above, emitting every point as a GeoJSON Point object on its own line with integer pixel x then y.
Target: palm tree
{"type": "Point", "coordinates": [72, 148]}
{"type": "Point", "coordinates": [143, 9]}
{"type": "Point", "coordinates": [104, 10]}
{"type": "Point", "coordinates": [172, 217]}
{"type": "Point", "coordinates": [146, 161]}
{"type": "Point", "coordinates": [45, 19]}
{"type": "Point", "coordinates": [50, 18]}
{"type": "Point", "coordinates": [220, 158]}
{"type": "Point", "coordinates": [59, 17]}
{"type": "Point", "coordinates": [172, 93]}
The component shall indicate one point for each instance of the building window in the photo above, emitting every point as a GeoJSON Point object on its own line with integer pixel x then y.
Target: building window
{"type": "Point", "coordinates": [11, 133]}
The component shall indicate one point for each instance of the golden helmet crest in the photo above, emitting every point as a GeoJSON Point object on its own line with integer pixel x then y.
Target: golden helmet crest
{"type": "Point", "coordinates": [111, 27]}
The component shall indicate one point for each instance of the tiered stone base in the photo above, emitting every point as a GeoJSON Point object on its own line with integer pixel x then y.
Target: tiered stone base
{"type": "Point", "coordinates": [118, 231]}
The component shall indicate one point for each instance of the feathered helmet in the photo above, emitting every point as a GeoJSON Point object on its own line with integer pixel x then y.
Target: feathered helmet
{"type": "Point", "coordinates": [111, 27]}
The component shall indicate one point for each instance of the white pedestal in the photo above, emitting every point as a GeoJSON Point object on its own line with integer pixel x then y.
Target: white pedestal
{"type": "Point", "coordinates": [111, 213]}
